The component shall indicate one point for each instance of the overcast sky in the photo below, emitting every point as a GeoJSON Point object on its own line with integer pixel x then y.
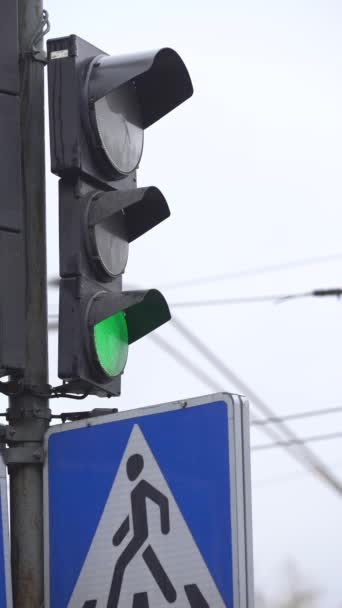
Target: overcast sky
{"type": "Point", "coordinates": [251, 168]}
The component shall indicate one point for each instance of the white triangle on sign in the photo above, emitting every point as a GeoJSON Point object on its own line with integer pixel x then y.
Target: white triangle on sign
{"type": "Point", "coordinates": [163, 569]}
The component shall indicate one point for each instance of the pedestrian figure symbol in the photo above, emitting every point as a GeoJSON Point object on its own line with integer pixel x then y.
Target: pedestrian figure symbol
{"type": "Point", "coordinates": [143, 554]}
{"type": "Point", "coordinates": [139, 495]}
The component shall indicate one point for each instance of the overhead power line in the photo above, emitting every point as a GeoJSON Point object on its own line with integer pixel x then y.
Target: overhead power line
{"type": "Point", "coordinates": [53, 322]}
{"type": "Point", "coordinates": [54, 282]}
{"type": "Point", "coordinates": [298, 416]}
{"type": "Point", "coordinates": [281, 479]}
{"type": "Point", "coordinates": [298, 441]}
{"type": "Point", "coordinates": [254, 271]}
{"type": "Point", "coordinates": [207, 379]}
{"type": "Point", "coordinates": [185, 361]}
{"type": "Point", "coordinates": [197, 371]}
{"type": "Point", "coordinates": [315, 466]}
{"type": "Point", "coordinates": [297, 449]}
{"type": "Point", "coordinates": [276, 299]}
{"type": "Point", "coordinates": [240, 274]}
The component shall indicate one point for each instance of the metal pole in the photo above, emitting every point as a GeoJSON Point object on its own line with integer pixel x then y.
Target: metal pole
{"type": "Point", "coordinates": [28, 414]}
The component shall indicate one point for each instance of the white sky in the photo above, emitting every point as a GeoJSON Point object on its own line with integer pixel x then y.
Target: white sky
{"type": "Point", "coordinates": [251, 168]}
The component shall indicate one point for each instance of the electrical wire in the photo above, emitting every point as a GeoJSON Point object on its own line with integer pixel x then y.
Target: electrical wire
{"type": "Point", "coordinates": [53, 322]}
{"type": "Point", "coordinates": [254, 271]}
{"type": "Point", "coordinates": [237, 274]}
{"type": "Point", "coordinates": [227, 301]}
{"type": "Point", "coordinates": [297, 449]}
{"type": "Point", "coordinates": [280, 479]}
{"type": "Point", "coordinates": [187, 363]}
{"type": "Point", "coordinates": [276, 299]}
{"type": "Point", "coordinates": [207, 379]}
{"type": "Point", "coordinates": [298, 441]}
{"type": "Point", "coordinates": [197, 371]}
{"type": "Point", "coordinates": [298, 416]}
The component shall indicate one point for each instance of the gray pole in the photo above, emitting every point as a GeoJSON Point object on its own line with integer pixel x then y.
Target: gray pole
{"type": "Point", "coordinates": [28, 413]}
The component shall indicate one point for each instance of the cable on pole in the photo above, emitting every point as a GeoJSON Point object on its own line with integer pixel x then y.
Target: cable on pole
{"type": "Point", "coordinates": [42, 30]}
{"type": "Point", "coordinates": [16, 387]}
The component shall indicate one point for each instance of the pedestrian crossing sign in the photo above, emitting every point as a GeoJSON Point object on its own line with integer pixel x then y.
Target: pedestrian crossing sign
{"type": "Point", "coordinates": [150, 508]}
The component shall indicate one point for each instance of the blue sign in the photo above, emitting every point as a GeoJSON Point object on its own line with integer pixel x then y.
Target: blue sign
{"type": "Point", "coordinates": [5, 577]}
{"type": "Point", "coordinates": [141, 509]}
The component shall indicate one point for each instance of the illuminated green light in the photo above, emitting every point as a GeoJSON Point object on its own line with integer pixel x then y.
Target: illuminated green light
{"type": "Point", "coordinates": [111, 343]}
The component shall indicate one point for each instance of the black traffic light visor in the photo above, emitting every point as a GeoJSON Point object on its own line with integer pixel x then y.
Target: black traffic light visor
{"type": "Point", "coordinates": [144, 208]}
{"type": "Point", "coordinates": [161, 79]}
{"type": "Point", "coordinates": [144, 310]}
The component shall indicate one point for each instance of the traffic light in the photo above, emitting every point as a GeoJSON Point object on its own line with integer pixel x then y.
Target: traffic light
{"type": "Point", "coordinates": [99, 108]}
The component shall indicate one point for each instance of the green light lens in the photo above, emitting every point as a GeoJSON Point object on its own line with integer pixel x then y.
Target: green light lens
{"type": "Point", "coordinates": [111, 343]}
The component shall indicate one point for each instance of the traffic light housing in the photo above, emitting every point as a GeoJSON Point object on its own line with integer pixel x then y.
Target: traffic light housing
{"type": "Point", "coordinates": [99, 108]}
{"type": "Point", "coordinates": [88, 90]}
{"type": "Point", "coordinates": [12, 238]}
{"type": "Point", "coordinates": [97, 319]}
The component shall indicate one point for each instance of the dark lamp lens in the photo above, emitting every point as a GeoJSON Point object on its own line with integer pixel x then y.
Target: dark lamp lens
{"type": "Point", "coordinates": [118, 121]}
{"type": "Point", "coordinates": [111, 244]}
